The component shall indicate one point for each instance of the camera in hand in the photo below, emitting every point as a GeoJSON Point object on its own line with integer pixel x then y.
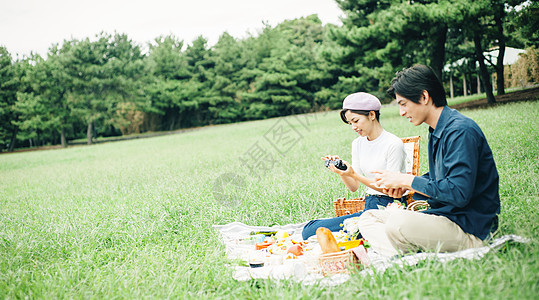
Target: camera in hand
{"type": "Point", "coordinates": [337, 163]}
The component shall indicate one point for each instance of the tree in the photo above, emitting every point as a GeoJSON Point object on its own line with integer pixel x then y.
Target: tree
{"type": "Point", "coordinates": [9, 86]}
{"type": "Point", "coordinates": [200, 64]}
{"type": "Point", "coordinates": [485, 77]}
{"type": "Point", "coordinates": [357, 47]}
{"type": "Point", "coordinates": [286, 81]}
{"type": "Point", "coordinates": [491, 25]}
{"type": "Point", "coordinates": [484, 22]}
{"type": "Point", "coordinates": [104, 75]}
{"type": "Point", "coordinates": [225, 93]}
{"type": "Point", "coordinates": [522, 23]}
{"type": "Point", "coordinates": [379, 37]}
{"type": "Point", "coordinates": [168, 67]}
{"type": "Point", "coordinates": [129, 73]}
{"type": "Point", "coordinates": [179, 80]}
{"type": "Point", "coordinates": [45, 107]}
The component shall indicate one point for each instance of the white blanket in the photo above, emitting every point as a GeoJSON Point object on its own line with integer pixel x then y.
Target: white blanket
{"type": "Point", "coordinates": [304, 269]}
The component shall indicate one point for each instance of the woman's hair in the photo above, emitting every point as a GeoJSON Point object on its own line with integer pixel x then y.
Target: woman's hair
{"type": "Point", "coordinates": [411, 82]}
{"type": "Point", "coordinates": [359, 112]}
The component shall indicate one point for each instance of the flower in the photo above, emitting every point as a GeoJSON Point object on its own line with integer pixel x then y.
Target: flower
{"type": "Point", "coordinates": [350, 225]}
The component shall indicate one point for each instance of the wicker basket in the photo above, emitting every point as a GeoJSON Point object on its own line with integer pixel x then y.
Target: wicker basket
{"type": "Point", "coordinates": [345, 206]}
{"type": "Point", "coordinates": [338, 262]}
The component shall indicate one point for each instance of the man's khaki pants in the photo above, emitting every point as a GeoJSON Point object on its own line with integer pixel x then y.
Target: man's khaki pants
{"type": "Point", "coordinates": [397, 231]}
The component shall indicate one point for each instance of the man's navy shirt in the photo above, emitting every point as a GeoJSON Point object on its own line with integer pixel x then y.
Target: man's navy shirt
{"type": "Point", "coordinates": [462, 181]}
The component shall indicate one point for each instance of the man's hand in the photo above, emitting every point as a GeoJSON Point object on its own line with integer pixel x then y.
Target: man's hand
{"type": "Point", "coordinates": [392, 180]}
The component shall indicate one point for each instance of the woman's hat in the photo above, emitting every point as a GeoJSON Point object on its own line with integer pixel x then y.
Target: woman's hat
{"type": "Point", "coordinates": [361, 101]}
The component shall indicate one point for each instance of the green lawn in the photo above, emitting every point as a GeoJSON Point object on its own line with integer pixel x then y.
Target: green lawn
{"type": "Point", "coordinates": [461, 99]}
{"type": "Point", "coordinates": [133, 219]}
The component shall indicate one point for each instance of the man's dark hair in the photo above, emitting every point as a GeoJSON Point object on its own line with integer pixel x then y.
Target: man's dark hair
{"type": "Point", "coordinates": [359, 112]}
{"type": "Point", "coordinates": [411, 82]}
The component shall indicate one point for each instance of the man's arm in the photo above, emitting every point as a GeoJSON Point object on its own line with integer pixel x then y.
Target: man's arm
{"type": "Point", "coordinates": [394, 183]}
{"type": "Point", "coordinates": [456, 185]}
{"type": "Point", "coordinates": [460, 165]}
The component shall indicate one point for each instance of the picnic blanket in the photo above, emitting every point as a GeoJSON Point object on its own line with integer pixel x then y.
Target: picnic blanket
{"type": "Point", "coordinates": [304, 269]}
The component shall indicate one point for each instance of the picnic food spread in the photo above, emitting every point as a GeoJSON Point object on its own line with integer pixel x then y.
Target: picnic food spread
{"type": "Point", "coordinates": [325, 253]}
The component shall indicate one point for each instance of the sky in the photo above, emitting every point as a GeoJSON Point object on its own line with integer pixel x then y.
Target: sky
{"type": "Point", "coordinates": [35, 25]}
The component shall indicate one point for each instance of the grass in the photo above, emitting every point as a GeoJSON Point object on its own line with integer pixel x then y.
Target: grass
{"type": "Point", "coordinates": [133, 219]}
{"type": "Point", "coordinates": [462, 99]}
{"type": "Point", "coordinates": [473, 97]}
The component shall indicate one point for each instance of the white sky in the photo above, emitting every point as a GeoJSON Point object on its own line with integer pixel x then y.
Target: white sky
{"type": "Point", "coordinates": [34, 25]}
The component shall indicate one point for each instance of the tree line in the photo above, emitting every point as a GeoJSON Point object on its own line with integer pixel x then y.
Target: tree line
{"type": "Point", "coordinates": [109, 85]}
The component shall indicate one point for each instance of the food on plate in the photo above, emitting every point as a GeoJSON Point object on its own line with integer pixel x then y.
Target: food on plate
{"type": "Point", "coordinates": [350, 244]}
{"type": "Point", "coordinates": [290, 256]}
{"type": "Point", "coordinates": [252, 240]}
{"type": "Point", "coordinates": [281, 246]}
{"type": "Point", "coordinates": [327, 241]}
{"type": "Point", "coordinates": [297, 250]}
{"type": "Point", "coordinates": [281, 234]}
{"type": "Point", "coordinates": [263, 245]}
{"type": "Point", "coordinates": [266, 233]}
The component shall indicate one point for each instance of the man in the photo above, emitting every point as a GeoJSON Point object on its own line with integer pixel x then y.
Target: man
{"type": "Point", "coordinates": [461, 186]}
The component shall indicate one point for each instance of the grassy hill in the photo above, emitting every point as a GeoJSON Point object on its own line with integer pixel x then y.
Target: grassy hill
{"type": "Point", "coordinates": [133, 219]}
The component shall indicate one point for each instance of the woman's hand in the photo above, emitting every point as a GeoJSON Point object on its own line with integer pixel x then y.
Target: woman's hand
{"type": "Point", "coordinates": [330, 157]}
{"type": "Point", "coordinates": [394, 193]}
{"type": "Point", "coordinates": [347, 176]}
{"type": "Point", "coordinates": [348, 172]}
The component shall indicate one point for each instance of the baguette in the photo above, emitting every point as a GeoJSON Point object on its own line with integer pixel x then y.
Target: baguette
{"type": "Point", "coordinates": [326, 240]}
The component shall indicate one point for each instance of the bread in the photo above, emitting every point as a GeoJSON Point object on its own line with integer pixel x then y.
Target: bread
{"type": "Point", "coordinates": [326, 240]}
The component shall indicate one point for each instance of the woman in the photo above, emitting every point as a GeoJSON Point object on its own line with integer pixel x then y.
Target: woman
{"type": "Point", "coordinates": [374, 149]}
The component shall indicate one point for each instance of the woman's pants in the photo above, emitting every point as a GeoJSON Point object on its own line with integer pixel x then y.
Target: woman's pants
{"type": "Point", "coordinates": [334, 224]}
